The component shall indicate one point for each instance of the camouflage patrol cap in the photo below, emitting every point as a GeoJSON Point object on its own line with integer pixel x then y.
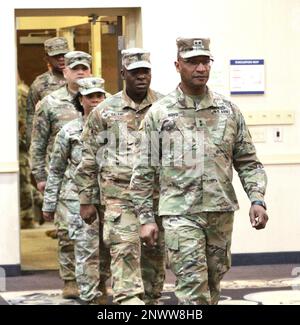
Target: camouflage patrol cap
{"type": "Point", "coordinates": [91, 85]}
{"type": "Point", "coordinates": [74, 58]}
{"type": "Point", "coordinates": [189, 47]}
{"type": "Point", "coordinates": [56, 45]}
{"type": "Point", "coordinates": [136, 58]}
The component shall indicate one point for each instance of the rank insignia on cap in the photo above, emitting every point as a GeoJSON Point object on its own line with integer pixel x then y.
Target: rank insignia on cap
{"type": "Point", "coordinates": [198, 45]}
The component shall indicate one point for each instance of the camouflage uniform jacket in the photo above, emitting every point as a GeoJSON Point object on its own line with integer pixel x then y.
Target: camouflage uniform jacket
{"type": "Point", "coordinates": [65, 157]}
{"type": "Point", "coordinates": [225, 141]}
{"type": "Point", "coordinates": [42, 86]}
{"type": "Point", "coordinates": [53, 113]}
{"type": "Point", "coordinates": [119, 118]}
{"type": "Point", "coordinates": [22, 95]}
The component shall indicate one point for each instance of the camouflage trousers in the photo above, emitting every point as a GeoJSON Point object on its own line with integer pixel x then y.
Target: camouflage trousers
{"type": "Point", "coordinates": [137, 271]}
{"type": "Point", "coordinates": [26, 199]}
{"type": "Point", "coordinates": [66, 254]}
{"type": "Point", "coordinates": [37, 203]}
{"type": "Point", "coordinates": [199, 254]}
{"type": "Point", "coordinates": [92, 265]}
{"type": "Point", "coordinates": [31, 200]}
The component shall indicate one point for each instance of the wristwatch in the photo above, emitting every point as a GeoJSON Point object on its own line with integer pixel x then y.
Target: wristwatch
{"type": "Point", "coordinates": [261, 203]}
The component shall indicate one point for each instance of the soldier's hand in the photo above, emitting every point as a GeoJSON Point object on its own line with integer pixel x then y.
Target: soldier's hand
{"type": "Point", "coordinates": [48, 216]}
{"type": "Point", "coordinates": [88, 213]}
{"type": "Point", "coordinates": [149, 234]}
{"type": "Point", "coordinates": [258, 217]}
{"type": "Point", "coordinates": [41, 186]}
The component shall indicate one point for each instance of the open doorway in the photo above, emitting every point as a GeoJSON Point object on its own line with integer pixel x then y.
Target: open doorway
{"type": "Point", "coordinates": [103, 33]}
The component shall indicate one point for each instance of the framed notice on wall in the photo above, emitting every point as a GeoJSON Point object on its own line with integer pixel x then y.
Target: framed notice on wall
{"type": "Point", "coordinates": [247, 77]}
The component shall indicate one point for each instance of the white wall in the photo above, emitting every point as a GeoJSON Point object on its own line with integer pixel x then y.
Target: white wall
{"type": "Point", "coordinates": [9, 198]}
{"type": "Point", "coordinates": [268, 29]}
{"type": "Point", "coordinates": [282, 233]}
{"type": "Point", "coordinates": [9, 220]}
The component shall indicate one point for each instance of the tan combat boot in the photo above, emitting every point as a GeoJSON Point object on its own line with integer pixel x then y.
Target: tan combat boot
{"type": "Point", "coordinates": [27, 224]}
{"type": "Point", "coordinates": [70, 290]}
{"type": "Point", "coordinates": [52, 233]}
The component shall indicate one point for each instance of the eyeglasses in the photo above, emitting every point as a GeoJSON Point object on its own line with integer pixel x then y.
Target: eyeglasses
{"type": "Point", "coordinates": [196, 60]}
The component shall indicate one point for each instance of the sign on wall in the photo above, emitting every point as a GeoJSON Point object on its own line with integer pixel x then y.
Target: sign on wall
{"type": "Point", "coordinates": [247, 77]}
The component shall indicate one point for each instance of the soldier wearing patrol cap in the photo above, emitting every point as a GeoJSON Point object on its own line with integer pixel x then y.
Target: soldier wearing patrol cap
{"type": "Point", "coordinates": [108, 151]}
{"type": "Point", "coordinates": [44, 84]}
{"type": "Point", "coordinates": [205, 135]}
{"type": "Point", "coordinates": [54, 111]}
{"type": "Point", "coordinates": [91, 275]}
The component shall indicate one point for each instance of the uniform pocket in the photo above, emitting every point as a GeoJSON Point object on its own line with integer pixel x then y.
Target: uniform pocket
{"type": "Point", "coordinates": [112, 216]}
{"type": "Point", "coordinates": [224, 138]}
{"type": "Point", "coordinates": [186, 124]}
{"type": "Point", "coordinates": [111, 220]}
{"type": "Point", "coordinates": [218, 132]}
{"type": "Point", "coordinates": [172, 240]}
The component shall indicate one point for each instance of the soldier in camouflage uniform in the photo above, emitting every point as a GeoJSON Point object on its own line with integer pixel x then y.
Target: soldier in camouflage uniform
{"type": "Point", "coordinates": [116, 121]}
{"type": "Point", "coordinates": [26, 200]}
{"type": "Point", "coordinates": [44, 84]}
{"type": "Point", "coordinates": [195, 136]}
{"type": "Point", "coordinates": [60, 185]}
{"type": "Point", "coordinates": [54, 111]}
